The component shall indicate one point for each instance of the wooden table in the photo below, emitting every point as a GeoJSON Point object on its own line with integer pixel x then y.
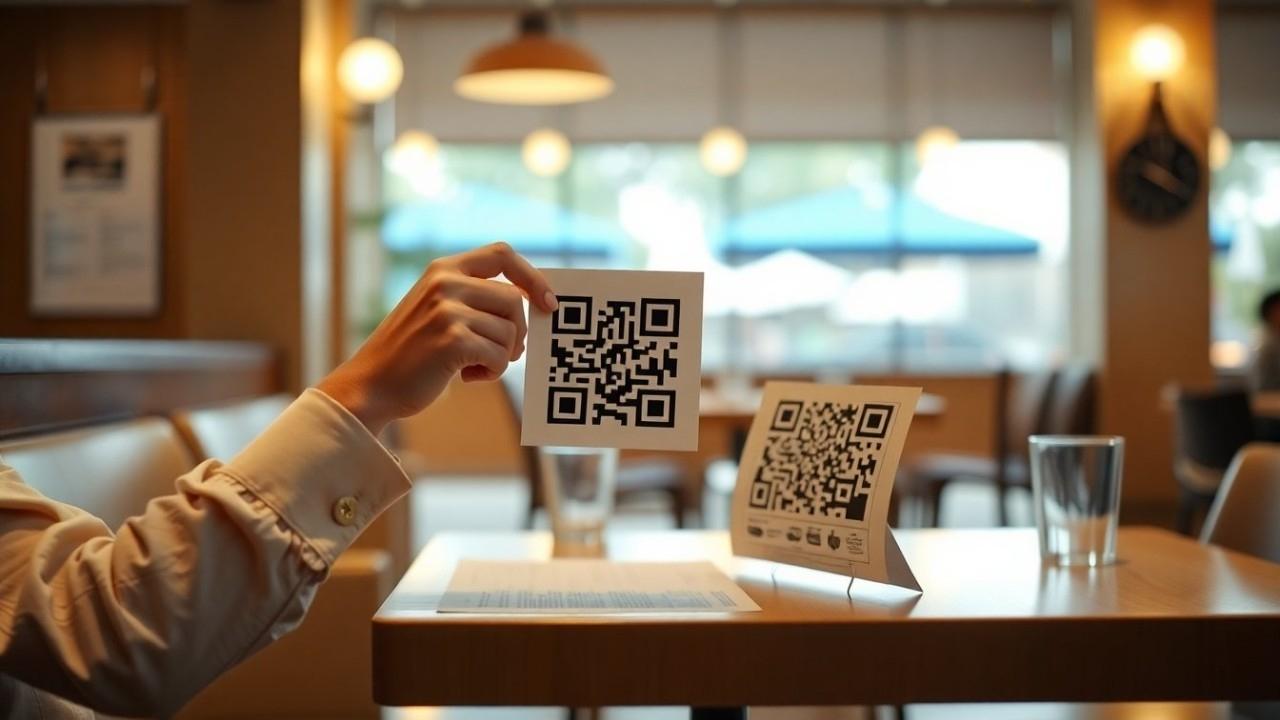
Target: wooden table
{"type": "Point", "coordinates": [1174, 620]}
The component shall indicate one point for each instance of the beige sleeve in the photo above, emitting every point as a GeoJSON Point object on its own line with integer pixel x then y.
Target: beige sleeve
{"type": "Point", "coordinates": [137, 622]}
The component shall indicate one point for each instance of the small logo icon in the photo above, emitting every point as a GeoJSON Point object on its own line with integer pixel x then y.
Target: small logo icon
{"type": "Point", "coordinates": [794, 534]}
{"type": "Point", "coordinates": [832, 541]}
{"type": "Point", "coordinates": [813, 536]}
{"type": "Point", "coordinates": [755, 530]}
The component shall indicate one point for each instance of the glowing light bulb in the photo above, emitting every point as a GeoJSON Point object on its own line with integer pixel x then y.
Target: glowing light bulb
{"type": "Point", "coordinates": [546, 152]}
{"type": "Point", "coordinates": [722, 151]}
{"type": "Point", "coordinates": [1157, 52]}
{"type": "Point", "coordinates": [370, 70]}
{"type": "Point", "coordinates": [413, 150]}
{"type": "Point", "coordinates": [1219, 149]}
{"type": "Point", "coordinates": [934, 142]}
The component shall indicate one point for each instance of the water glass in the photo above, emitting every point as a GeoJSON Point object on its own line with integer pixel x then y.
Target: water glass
{"type": "Point", "coordinates": [579, 485]}
{"type": "Point", "coordinates": [1076, 484]}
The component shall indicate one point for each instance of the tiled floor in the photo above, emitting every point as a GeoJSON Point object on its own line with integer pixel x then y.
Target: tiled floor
{"type": "Point", "coordinates": [500, 503]}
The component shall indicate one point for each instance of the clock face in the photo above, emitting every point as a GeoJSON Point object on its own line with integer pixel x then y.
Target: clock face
{"type": "Point", "coordinates": [1158, 178]}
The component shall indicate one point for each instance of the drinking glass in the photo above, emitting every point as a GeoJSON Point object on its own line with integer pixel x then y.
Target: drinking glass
{"type": "Point", "coordinates": [1076, 484]}
{"type": "Point", "coordinates": [579, 484]}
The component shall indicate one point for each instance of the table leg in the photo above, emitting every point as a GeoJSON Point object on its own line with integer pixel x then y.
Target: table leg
{"type": "Point", "coordinates": [717, 713]}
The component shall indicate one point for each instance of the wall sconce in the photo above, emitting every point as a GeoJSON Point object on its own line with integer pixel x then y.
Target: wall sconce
{"type": "Point", "coordinates": [1157, 52]}
{"type": "Point", "coordinates": [370, 70]}
{"type": "Point", "coordinates": [1158, 178]}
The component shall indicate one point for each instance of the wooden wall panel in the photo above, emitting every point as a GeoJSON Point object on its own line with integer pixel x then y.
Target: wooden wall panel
{"type": "Point", "coordinates": [93, 58]}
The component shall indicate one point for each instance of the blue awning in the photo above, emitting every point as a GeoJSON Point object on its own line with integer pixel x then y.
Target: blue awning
{"type": "Point", "coordinates": [479, 214]}
{"type": "Point", "coordinates": [842, 221]}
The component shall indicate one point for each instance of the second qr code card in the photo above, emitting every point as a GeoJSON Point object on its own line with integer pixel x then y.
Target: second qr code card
{"type": "Point", "coordinates": [618, 364]}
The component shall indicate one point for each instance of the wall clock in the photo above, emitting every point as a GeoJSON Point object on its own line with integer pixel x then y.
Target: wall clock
{"type": "Point", "coordinates": [1159, 175]}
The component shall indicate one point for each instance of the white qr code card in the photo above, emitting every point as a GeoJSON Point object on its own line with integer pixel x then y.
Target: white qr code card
{"type": "Point", "coordinates": [816, 478]}
{"type": "Point", "coordinates": [618, 364]}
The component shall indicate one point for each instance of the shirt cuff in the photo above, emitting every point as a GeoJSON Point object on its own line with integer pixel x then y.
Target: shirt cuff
{"type": "Point", "coordinates": [322, 472]}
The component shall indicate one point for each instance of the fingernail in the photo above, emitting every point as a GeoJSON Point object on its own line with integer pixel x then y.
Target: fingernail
{"type": "Point", "coordinates": [550, 301]}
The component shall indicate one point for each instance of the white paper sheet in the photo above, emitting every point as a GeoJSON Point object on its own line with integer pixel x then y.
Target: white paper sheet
{"type": "Point", "coordinates": [591, 586]}
{"type": "Point", "coordinates": [816, 478]}
{"type": "Point", "coordinates": [620, 363]}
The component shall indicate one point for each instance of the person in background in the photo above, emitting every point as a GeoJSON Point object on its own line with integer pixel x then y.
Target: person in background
{"type": "Point", "coordinates": [138, 621]}
{"type": "Point", "coordinates": [1264, 369]}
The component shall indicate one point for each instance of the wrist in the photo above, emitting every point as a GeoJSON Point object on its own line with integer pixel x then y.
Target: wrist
{"type": "Point", "coordinates": [355, 396]}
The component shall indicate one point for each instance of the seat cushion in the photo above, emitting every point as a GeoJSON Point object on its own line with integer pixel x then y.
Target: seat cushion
{"type": "Point", "coordinates": [223, 431]}
{"type": "Point", "coordinates": [109, 470]}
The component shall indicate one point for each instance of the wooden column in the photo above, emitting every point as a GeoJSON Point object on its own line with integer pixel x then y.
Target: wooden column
{"type": "Point", "coordinates": [1153, 280]}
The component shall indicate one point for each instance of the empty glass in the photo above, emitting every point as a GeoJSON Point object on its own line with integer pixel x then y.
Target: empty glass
{"type": "Point", "coordinates": [1076, 482]}
{"type": "Point", "coordinates": [579, 485]}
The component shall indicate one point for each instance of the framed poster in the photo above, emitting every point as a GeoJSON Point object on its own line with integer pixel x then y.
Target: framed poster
{"type": "Point", "coordinates": [95, 215]}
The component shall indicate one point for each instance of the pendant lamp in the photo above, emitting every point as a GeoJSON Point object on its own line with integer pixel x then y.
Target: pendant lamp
{"type": "Point", "coordinates": [534, 69]}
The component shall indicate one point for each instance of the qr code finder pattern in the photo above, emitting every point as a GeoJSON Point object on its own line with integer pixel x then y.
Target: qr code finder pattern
{"type": "Point", "coordinates": [821, 459]}
{"type": "Point", "coordinates": [614, 361]}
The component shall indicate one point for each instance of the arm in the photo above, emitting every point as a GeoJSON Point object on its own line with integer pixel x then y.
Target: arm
{"type": "Point", "coordinates": [138, 622]}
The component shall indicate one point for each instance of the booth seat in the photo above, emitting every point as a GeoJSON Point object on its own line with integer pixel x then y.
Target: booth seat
{"type": "Point", "coordinates": [321, 670]}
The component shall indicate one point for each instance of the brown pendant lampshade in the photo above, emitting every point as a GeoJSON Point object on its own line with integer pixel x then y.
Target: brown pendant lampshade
{"type": "Point", "coordinates": [534, 69]}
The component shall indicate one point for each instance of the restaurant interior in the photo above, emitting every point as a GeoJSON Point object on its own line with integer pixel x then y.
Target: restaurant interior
{"type": "Point", "coordinates": [1059, 219]}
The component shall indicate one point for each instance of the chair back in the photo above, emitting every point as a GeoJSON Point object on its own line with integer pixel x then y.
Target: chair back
{"type": "Point", "coordinates": [1025, 407]}
{"type": "Point", "coordinates": [513, 388]}
{"type": "Point", "coordinates": [1072, 411]}
{"type": "Point", "coordinates": [222, 431]}
{"type": "Point", "coordinates": [1212, 426]}
{"type": "Point", "coordinates": [1246, 514]}
{"type": "Point", "coordinates": [111, 471]}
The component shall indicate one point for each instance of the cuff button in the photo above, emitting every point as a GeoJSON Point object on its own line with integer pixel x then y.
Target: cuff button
{"type": "Point", "coordinates": [344, 511]}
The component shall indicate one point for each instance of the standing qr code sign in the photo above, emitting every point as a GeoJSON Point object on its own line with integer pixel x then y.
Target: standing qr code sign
{"type": "Point", "coordinates": [618, 364]}
{"type": "Point", "coordinates": [816, 479]}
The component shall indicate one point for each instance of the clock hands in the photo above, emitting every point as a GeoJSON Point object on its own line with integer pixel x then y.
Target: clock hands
{"type": "Point", "coordinates": [1165, 180]}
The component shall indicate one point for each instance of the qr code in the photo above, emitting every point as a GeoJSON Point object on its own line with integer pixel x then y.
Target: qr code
{"type": "Point", "coordinates": [614, 361]}
{"type": "Point", "coordinates": [820, 458]}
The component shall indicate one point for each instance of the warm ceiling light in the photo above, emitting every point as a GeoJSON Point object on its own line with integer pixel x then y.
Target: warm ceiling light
{"type": "Point", "coordinates": [1219, 149]}
{"type": "Point", "coordinates": [723, 151]}
{"type": "Point", "coordinates": [1157, 52]}
{"type": "Point", "coordinates": [370, 70]}
{"type": "Point", "coordinates": [546, 152]}
{"type": "Point", "coordinates": [933, 143]}
{"type": "Point", "coordinates": [534, 69]}
{"type": "Point", "coordinates": [413, 150]}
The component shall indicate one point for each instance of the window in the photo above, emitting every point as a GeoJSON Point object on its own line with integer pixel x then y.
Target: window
{"type": "Point", "coordinates": [1244, 224]}
{"type": "Point", "coordinates": [819, 256]}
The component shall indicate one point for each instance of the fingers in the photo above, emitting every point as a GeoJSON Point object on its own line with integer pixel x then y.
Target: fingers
{"type": "Point", "coordinates": [481, 358]}
{"type": "Point", "coordinates": [499, 259]}
{"type": "Point", "coordinates": [495, 298]}
{"type": "Point", "coordinates": [496, 329]}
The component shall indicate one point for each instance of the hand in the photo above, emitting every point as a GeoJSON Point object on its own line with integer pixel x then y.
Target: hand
{"type": "Point", "coordinates": [454, 320]}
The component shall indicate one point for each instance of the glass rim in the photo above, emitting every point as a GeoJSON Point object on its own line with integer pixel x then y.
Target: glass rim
{"type": "Point", "coordinates": [1077, 440]}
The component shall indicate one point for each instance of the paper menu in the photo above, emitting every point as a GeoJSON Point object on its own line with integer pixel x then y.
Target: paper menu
{"type": "Point", "coordinates": [618, 364]}
{"type": "Point", "coordinates": [816, 478]}
{"type": "Point", "coordinates": [591, 586]}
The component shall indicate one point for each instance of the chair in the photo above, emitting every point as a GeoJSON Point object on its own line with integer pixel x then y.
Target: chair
{"type": "Point", "coordinates": [1022, 401]}
{"type": "Point", "coordinates": [1210, 428]}
{"type": "Point", "coordinates": [222, 431]}
{"type": "Point", "coordinates": [1073, 407]}
{"type": "Point", "coordinates": [636, 478]}
{"type": "Point", "coordinates": [1245, 516]}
